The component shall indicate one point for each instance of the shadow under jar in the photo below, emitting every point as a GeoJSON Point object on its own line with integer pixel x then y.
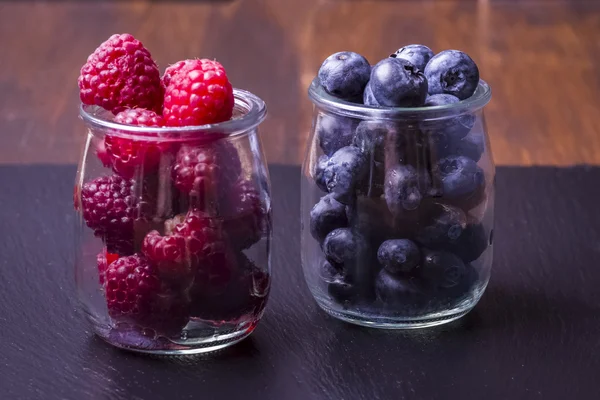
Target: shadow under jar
{"type": "Point", "coordinates": [174, 231]}
{"type": "Point", "coordinates": [397, 210]}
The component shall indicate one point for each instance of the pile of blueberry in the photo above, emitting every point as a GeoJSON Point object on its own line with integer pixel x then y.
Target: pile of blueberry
{"type": "Point", "coordinates": [396, 224]}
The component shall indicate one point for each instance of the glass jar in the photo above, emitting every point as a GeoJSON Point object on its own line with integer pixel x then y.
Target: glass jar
{"type": "Point", "coordinates": [173, 252]}
{"type": "Point", "coordinates": [397, 210]}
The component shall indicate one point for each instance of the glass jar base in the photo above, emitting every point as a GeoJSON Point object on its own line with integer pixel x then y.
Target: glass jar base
{"type": "Point", "coordinates": [400, 322]}
{"type": "Point", "coordinates": [204, 337]}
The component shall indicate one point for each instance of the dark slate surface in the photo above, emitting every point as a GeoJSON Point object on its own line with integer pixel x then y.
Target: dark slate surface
{"type": "Point", "coordinates": [534, 335]}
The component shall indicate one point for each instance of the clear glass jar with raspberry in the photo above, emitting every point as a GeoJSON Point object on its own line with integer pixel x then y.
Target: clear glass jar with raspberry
{"type": "Point", "coordinates": [175, 226]}
{"type": "Point", "coordinates": [397, 190]}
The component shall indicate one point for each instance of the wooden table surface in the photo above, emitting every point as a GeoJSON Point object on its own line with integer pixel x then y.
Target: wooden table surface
{"type": "Point", "coordinates": [542, 59]}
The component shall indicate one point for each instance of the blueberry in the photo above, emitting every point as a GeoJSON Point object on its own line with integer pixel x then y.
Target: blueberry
{"type": "Point", "coordinates": [334, 132]}
{"type": "Point", "coordinates": [368, 98]}
{"type": "Point", "coordinates": [446, 131]}
{"type": "Point", "coordinates": [319, 174]}
{"type": "Point", "coordinates": [441, 270]}
{"type": "Point", "coordinates": [371, 137]}
{"type": "Point", "coordinates": [345, 75]}
{"type": "Point", "coordinates": [397, 83]}
{"type": "Point", "coordinates": [471, 146]}
{"type": "Point", "coordinates": [345, 172]}
{"type": "Point", "coordinates": [330, 273]}
{"type": "Point", "coordinates": [342, 291]}
{"type": "Point", "coordinates": [402, 189]}
{"type": "Point", "coordinates": [341, 246]}
{"type": "Point", "coordinates": [328, 214]}
{"type": "Point", "coordinates": [448, 297]}
{"type": "Point", "coordinates": [462, 181]}
{"type": "Point", "coordinates": [394, 290]}
{"type": "Point", "coordinates": [471, 244]}
{"type": "Point", "coordinates": [443, 226]}
{"type": "Point", "coordinates": [399, 256]}
{"type": "Point", "coordinates": [417, 54]}
{"type": "Point", "coordinates": [452, 72]}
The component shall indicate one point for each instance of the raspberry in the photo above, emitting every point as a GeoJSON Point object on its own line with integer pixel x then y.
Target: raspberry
{"type": "Point", "coordinates": [121, 74]}
{"type": "Point", "coordinates": [244, 214]}
{"type": "Point", "coordinates": [110, 207]}
{"type": "Point", "coordinates": [196, 243]}
{"type": "Point", "coordinates": [104, 260]}
{"type": "Point", "coordinates": [135, 294]}
{"type": "Point", "coordinates": [169, 254]}
{"type": "Point", "coordinates": [203, 171]}
{"type": "Point", "coordinates": [128, 156]}
{"type": "Point", "coordinates": [198, 93]}
{"type": "Point", "coordinates": [103, 154]}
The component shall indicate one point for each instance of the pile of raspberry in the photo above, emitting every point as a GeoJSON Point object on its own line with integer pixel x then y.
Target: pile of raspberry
{"type": "Point", "coordinates": [175, 213]}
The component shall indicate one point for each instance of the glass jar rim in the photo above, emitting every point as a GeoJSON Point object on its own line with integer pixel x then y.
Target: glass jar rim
{"type": "Point", "coordinates": [319, 96]}
{"type": "Point", "coordinates": [253, 107]}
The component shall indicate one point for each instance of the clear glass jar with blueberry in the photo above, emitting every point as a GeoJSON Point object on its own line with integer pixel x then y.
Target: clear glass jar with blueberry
{"type": "Point", "coordinates": [173, 199]}
{"type": "Point", "coordinates": [398, 189]}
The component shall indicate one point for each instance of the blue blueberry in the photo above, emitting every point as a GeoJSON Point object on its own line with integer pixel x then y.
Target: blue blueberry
{"type": "Point", "coordinates": [471, 244]}
{"type": "Point", "coordinates": [471, 146]}
{"type": "Point", "coordinates": [319, 174]}
{"type": "Point", "coordinates": [446, 131]}
{"type": "Point", "coordinates": [328, 214]}
{"type": "Point", "coordinates": [342, 246]}
{"type": "Point", "coordinates": [417, 54]}
{"type": "Point", "coordinates": [399, 256]}
{"type": "Point", "coordinates": [448, 297]}
{"type": "Point", "coordinates": [441, 270]}
{"type": "Point", "coordinates": [397, 83]}
{"type": "Point", "coordinates": [345, 172]}
{"type": "Point", "coordinates": [461, 180]}
{"type": "Point", "coordinates": [442, 226]}
{"type": "Point", "coordinates": [329, 272]}
{"type": "Point", "coordinates": [402, 189]}
{"type": "Point", "coordinates": [371, 135]}
{"type": "Point", "coordinates": [368, 98]}
{"type": "Point", "coordinates": [394, 290]}
{"type": "Point", "coordinates": [452, 72]}
{"type": "Point", "coordinates": [334, 132]}
{"type": "Point", "coordinates": [345, 75]}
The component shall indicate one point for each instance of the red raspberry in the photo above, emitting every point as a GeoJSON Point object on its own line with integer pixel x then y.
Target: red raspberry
{"type": "Point", "coordinates": [194, 244]}
{"type": "Point", "coordinates": [134, 293]}
{"type": "Point", "coordinates": [204, 171]}
{"type": "Point", "coordinates": [244, 214]}
{"type": "Point", "coordinates": [121, 74]}
{"type": "Point", "coordinates": [198, 93]}
{"type": "Point", "coordinates": [129, 157]}
{"type": "Point", "coordinates": [103, 154]}
{"type": "Point", "coordinates": [110, 206]}
{"type": "Point", "coordinates": [170, 255]}
{"type": "Point", "coordinates": [104, 260]}
{"type": "Point", "coordinates": [175, 68]}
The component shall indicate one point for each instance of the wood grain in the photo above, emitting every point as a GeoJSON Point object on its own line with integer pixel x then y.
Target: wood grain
{"type": "Point", "coordinates": [542, 59]}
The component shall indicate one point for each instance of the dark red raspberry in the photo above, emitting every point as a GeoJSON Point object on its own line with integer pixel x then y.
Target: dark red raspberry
{"type": "Point", "coordinates": [244, 213]}
{"type": "Point", "coordinates": [170, 255]}
{"type": "Point", "coordinates": [198, 93]}
{"type": "Point", "coordinates": [196, 242]}
{"type": "Point", "coordinates": [130, 157]}
{"type": "Point", "coordinates": [103, 154]}
{"type": "Point", "coordinates": [243, 296]}
{"type": "Point", "coordinates": [121, 74]}
{"type": "Point", "coordinates": [134, 293]}
{"type": "Point", "coordinates": [110, 206]}
{"type": "Point", "coordinates": [104, 260]}
{"type": "Point", "coordinates": [205, 171]}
